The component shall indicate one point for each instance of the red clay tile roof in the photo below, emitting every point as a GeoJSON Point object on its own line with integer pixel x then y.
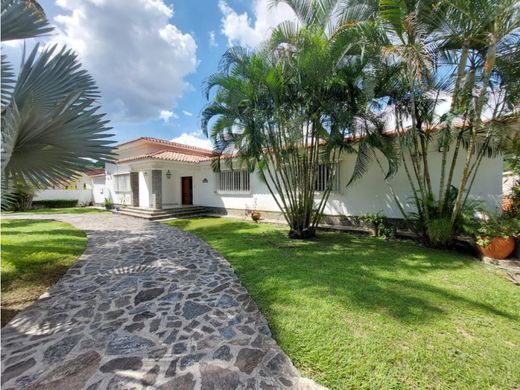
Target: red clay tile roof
{"type": "Point", "coordinates": [168, 155]}
{"type": "Point", "coordinates": [95, 172]}
{"type": "Point", "coordinates": [188, 149]}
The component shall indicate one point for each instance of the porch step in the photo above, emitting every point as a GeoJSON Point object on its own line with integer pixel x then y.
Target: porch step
{"type": "Point", "coordinates": [156, 214]}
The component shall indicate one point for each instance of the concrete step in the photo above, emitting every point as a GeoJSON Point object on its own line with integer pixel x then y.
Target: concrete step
{"type": "Point", "coordinates": [155, 214]}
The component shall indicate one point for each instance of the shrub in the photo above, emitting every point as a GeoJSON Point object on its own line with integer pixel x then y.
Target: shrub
{"type": "Point", "coordinates": [109, 204]}
{"type": "Point", "coordinates": [55, 203]}
{"type": "Point", "coordinates": [514, 201]}
{"type": "Point", "coordinates": [380, 224]}
{"type": "Point", "coordinates": [440, 232]}
{"type": "Point", "coordinates": [23, 195]}
{"type": "Point", "coordinates": [435, 229]}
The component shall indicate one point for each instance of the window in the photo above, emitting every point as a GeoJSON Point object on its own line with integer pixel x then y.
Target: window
{"type": "Point", "coordinates": [322, 178]}
{"type": "Point", "coordinates": [233, 181]}
{"type": "Point", "coordinates": [122, 183]}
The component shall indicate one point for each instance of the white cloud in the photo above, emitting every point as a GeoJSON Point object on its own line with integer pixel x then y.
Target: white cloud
{"type": "Point", "coordinates": [240, 28]}
{"type": "Point", "coordinates": [187, 113]}
{"type": "Point", "coordinates": [194, 139]}
{"type": "Point", "coordinates": [212, 39]}
{"type": "Point", "coordinates": [165, 115]}
{"type": "Point", "coordinates": [136, 56]}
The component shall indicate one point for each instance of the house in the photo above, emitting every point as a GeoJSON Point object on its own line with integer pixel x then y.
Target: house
{"type": "Point", "coordinates": [153, 174]}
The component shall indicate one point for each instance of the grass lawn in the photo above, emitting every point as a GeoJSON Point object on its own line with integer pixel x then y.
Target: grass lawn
{"type": "Point", "coordinates": [65, 210]}
{"type": "Point", "coordinates": [35, 254]}
{"type": "Point", "coordinates": [359, 312]}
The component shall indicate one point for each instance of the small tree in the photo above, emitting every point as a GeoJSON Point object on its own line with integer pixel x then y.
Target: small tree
{"type": "Point", "coordinates": [23, 194]}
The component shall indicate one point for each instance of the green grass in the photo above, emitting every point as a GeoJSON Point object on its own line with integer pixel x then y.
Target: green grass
{"type": "Point", "coordinates": [65, 210]}
{"type": "Point", "coordinates": [358, 312]}
{"type": "Point", "coordinates": [35, 254]}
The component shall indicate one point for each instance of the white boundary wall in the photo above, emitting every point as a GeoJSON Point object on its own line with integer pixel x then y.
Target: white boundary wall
{"type": "Point", "coordinates": [84, 197]}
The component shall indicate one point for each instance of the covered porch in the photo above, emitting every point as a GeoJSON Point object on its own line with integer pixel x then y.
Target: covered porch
{"type": "Point", "coordinates": [161, 186]}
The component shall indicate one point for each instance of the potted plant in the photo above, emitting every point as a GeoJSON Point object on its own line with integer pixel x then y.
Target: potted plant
{"type": "Point", "coordinates": [109, 204]}
{"type": "Point", "coordinates": [495, 236]}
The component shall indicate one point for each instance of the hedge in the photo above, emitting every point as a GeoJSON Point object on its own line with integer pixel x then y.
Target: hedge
{"type": "Point", "coordinates": [54, 204]}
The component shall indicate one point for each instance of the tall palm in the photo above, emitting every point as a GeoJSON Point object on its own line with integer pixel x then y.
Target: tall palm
{"type": "Point", "coordinates": [495, 34]}
{"type": "Point", "coordinates": [458, 32]}
{"type": "Point", "coordinates": [51, 127]}
{"type": "Point", "coordinates": [414, 45]}
{"type": "Point", "coordinates": [286, 112]}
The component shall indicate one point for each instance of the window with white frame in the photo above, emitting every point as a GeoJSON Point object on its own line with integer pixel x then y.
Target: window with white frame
{"type": "Point", "coordinates": [233, 181]}
{"type": "Point", "coordinates": [322, 178]}
{"type": "Point", "coordinates": [122, 183]}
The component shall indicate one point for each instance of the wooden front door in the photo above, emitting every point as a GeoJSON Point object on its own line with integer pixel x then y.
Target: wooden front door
{"type": "Point", "coordinates": [187, 189]}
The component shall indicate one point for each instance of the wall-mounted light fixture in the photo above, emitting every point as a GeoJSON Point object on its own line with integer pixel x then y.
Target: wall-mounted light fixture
{"type": "Point", "coordinates": [168, 174]}
{"type": "Point", "coordinates": [204, 180]}
{"type": "Point", "coordinates": [145, 173]}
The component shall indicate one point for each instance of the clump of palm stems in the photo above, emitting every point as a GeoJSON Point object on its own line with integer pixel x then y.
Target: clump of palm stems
{"type": "Point", "coordinates": [449, 52]}
{"type": "Point", "coordinates": [351, 69]}
{"type": "Point", "coordinates": [51, 127]}
{"type": "Point", "coordinates": [428, 55]}
{"type": "Point", "coordinates": [287, 110]}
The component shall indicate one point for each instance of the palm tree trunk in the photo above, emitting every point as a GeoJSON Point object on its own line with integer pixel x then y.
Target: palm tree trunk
{"type": "Point", "coordinates": [454, 104]}
{"type": "Point", "coordinates": [476, 124]}
{"type": "Point", "coordinates": [426, 168]}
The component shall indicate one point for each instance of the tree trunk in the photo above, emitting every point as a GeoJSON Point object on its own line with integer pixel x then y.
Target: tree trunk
{"type": "Point", "coordinates": [476, 124]}
{"type": "Point", "coordinates": [302, 233]}
{"type": "Point", "coordinates": [454, 105]}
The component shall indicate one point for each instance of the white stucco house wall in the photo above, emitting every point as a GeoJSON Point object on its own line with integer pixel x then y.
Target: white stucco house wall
{"type": "Point", "coordinates": [151, 173]}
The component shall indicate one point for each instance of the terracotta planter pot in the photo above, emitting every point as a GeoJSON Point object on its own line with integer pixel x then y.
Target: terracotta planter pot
{"type": "Point", "coordinates": [498, 248]}
{"type": "Point", "coordinates": [255, 216]}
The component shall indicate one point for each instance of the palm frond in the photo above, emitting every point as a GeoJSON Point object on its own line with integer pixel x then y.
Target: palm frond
{"type": "Point", "coordinates": [7, 81]}
{"type": "Point", "coordinates": [361, 164]}
{"type": "Point", "coordinates": [52, 125]}
{"type": "Point", "coordinates": [23, 19]}
{"type": "Point", "coordinates": [394, 13]}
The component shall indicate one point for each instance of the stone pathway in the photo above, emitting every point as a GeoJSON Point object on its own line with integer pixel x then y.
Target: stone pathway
{"type": "Point", "coordinates": [146, 306]}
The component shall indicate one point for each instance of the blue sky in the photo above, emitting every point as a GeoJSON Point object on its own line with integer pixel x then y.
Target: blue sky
{"type": "Point", "coordinates": [151, 57]}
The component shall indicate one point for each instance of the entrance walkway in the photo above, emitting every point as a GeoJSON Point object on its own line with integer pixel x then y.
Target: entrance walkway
{"type": "Point", "coordinates": [146, 306]}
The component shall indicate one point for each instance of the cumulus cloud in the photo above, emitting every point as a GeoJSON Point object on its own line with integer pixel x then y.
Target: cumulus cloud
{"type": "Point", "coordinates": [165, 115]}
{"type": "Point", "coordinates": [137, 57]}
{"type": "Point", "coordinates": [194, 139]}
{"type": "Point", "coordinates": [212, 39]}
{"type": "Point", "coordinates": [246, 30]}
{"type": "Point", "coordinates": [187, 113]}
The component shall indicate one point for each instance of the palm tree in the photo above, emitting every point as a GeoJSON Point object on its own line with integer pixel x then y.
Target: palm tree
{"type": "Point", "coordinates": [287, 110]}
{"type": "Point", "coordinates": [495, 34]}
{"type": "Point", "coordinates": [51, 127]}
{"type": "Point", "coordinates": [425, 52]}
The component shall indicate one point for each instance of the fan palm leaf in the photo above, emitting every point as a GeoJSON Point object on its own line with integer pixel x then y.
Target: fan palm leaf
{"type": "Point", "coordinates": [23, 19]}
{"type": "Point", "coordinates": [51, 125]}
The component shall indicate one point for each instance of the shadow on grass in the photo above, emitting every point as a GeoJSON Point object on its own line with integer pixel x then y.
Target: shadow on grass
{"type": "Point", "coordinates": [65, 210]}
{"type": "Point", "coordinates": [53, 232]}
{"type": "Point", "coordinates": [35, 255]}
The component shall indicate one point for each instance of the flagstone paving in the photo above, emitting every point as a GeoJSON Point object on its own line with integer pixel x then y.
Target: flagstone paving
{"type": "Point", "coordinates": [146, 306]}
